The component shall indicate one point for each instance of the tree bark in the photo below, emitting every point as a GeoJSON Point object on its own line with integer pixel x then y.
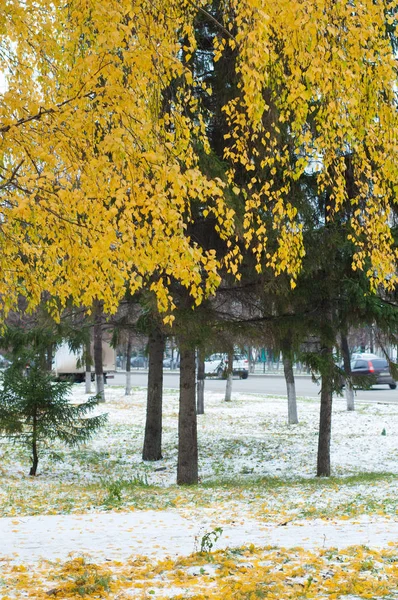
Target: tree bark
{"type": "Point", "coordinates": [371, 339]}
{"type": "Point", "coordinates": [228, 387]}
{"type": "Point", "coordinates": [349, 389]}
{"type": "Point", "coordinates": [88, 367]}
{"type": "Point", "coordinates": [152, 449]}
{"type": "Point", "coordinates": [35, 456]}
{"type": "Point", "coordinates": [187, 466]}
{"type": "Point", "coordinates": [128, 363]}
{"type": "Point", "coordinates": [200, 385]}
{"type": "Point", "coordinates": [251, 361]}
{"type": "Point", "coordinates": [291, 390]}
{"type": "Point", "coordinates": [98, 364]}
{"type": "Point", "coordinates": [325, 418]}
{"type": "Point", "coordinates": [49, 357]}
{"type": "Point", "coordinates": [35, 460]}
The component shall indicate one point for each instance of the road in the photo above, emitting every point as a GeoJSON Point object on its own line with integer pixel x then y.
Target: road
{"type": "Point", "coordinates": [261, 384]}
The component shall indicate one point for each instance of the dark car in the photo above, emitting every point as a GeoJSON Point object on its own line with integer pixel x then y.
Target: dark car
{"type": "Point", "coordinates": [138, 362]}
{"type": "Point", "coordinates": [370, 370]}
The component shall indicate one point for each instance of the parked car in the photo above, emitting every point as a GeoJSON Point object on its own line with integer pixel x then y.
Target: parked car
{"type": "Point", "coordinates": [139, 362]}
{"type": "Point", "coordinates": [216, 366]}
{"type": "Point", "coordinates": [370, 369]}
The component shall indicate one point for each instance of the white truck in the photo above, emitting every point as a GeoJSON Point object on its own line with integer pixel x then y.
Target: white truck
{"type": "Point", "coordinates": [69, 365]}
{"type": "Point", "coordinates": [216, 366]}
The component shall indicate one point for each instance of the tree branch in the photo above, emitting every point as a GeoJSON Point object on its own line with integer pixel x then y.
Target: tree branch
{"type": "Point", "coordinates": [50, 111]}
{"type": "Point", "coordinates": [210, 16]}
{"type": "Point", "coordinates": [12, 176]}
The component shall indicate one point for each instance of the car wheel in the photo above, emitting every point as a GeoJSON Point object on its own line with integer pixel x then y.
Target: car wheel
{"type": "Point", "coordinates": [245, 375]}
{"type": "Point", "coordinates": [393, 386]}
{"type": "Point", "coordinates": [220, 373]}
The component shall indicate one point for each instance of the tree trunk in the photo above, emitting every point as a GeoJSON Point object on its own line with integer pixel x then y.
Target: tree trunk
{"type": "Point", "coordinates": [228, 387]}
{"type": "Point", "coordinates": [291, 390]}
{"type": "Point", "coordinates": [128, 363]}
{"type": "Point", "coordinates": [35, 460]}
{"type": "Point", "coordinates": [187, 467]}
{"type": "Point", "coordinates": [251, 361]}
{"type": "Point", "coordinates": [200, 385]}
{"type": "Point", "coordinates": [49, 357]}
{"type": "Point", "coordinates": [35, 456]}
{"type": "Point", "coordinates": [349, 389]}
{"type": "Point", "coordinates": [152, 449]}
{"type": "Point", "coordinates": [371, 339]}
{"type": "Point", "coordinates": [88, 367]}
{"type": "Point", "coordinates": [325, 418]}
{"type": "Point", "coordinates": [98, 365]}
{"type": "Point", "coordinates": [349, 395]}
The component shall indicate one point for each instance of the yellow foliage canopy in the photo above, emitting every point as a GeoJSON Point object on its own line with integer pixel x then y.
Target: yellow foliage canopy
{"type": "Point", "coordinates": [98, 171]}
{"type": "Point", "coordinates": [99, 167]}
{"type": "Point", "coordinates": [327, 69]}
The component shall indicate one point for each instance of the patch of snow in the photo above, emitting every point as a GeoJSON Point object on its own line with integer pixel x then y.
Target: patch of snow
{"type": "Point", "coordinates": [161, 534]}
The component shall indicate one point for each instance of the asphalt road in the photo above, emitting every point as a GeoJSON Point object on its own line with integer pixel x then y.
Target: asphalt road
{"type": "Point", "coordinates": [260, 384]}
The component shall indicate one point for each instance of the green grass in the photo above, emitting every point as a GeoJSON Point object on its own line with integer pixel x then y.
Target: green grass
{"type": "Point", "coordinates": [322, 482]}
{"type": "Point", "coordinates": [268, 497]}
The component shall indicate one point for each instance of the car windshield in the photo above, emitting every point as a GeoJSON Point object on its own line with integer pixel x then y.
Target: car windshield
{"type": "Point", "coordinates": [379, 363]}
{"type": "Point", "coordinates": [214, 357]}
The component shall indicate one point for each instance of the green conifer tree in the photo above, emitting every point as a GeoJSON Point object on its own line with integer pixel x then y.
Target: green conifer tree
{"type": "Point", "coordinates": [35, 410]}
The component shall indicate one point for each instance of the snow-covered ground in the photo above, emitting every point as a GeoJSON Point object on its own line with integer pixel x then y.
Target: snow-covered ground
{"type": "Point", "coordinates": [161, 534]}
{"type": "Point", "coordinates": [257, 486]}
{"type": "Point", "coordinates": [248, 436]}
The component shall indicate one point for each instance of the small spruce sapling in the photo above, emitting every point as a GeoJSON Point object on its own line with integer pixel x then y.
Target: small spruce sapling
{"type": "Point", "coordinates": [35, 410]}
